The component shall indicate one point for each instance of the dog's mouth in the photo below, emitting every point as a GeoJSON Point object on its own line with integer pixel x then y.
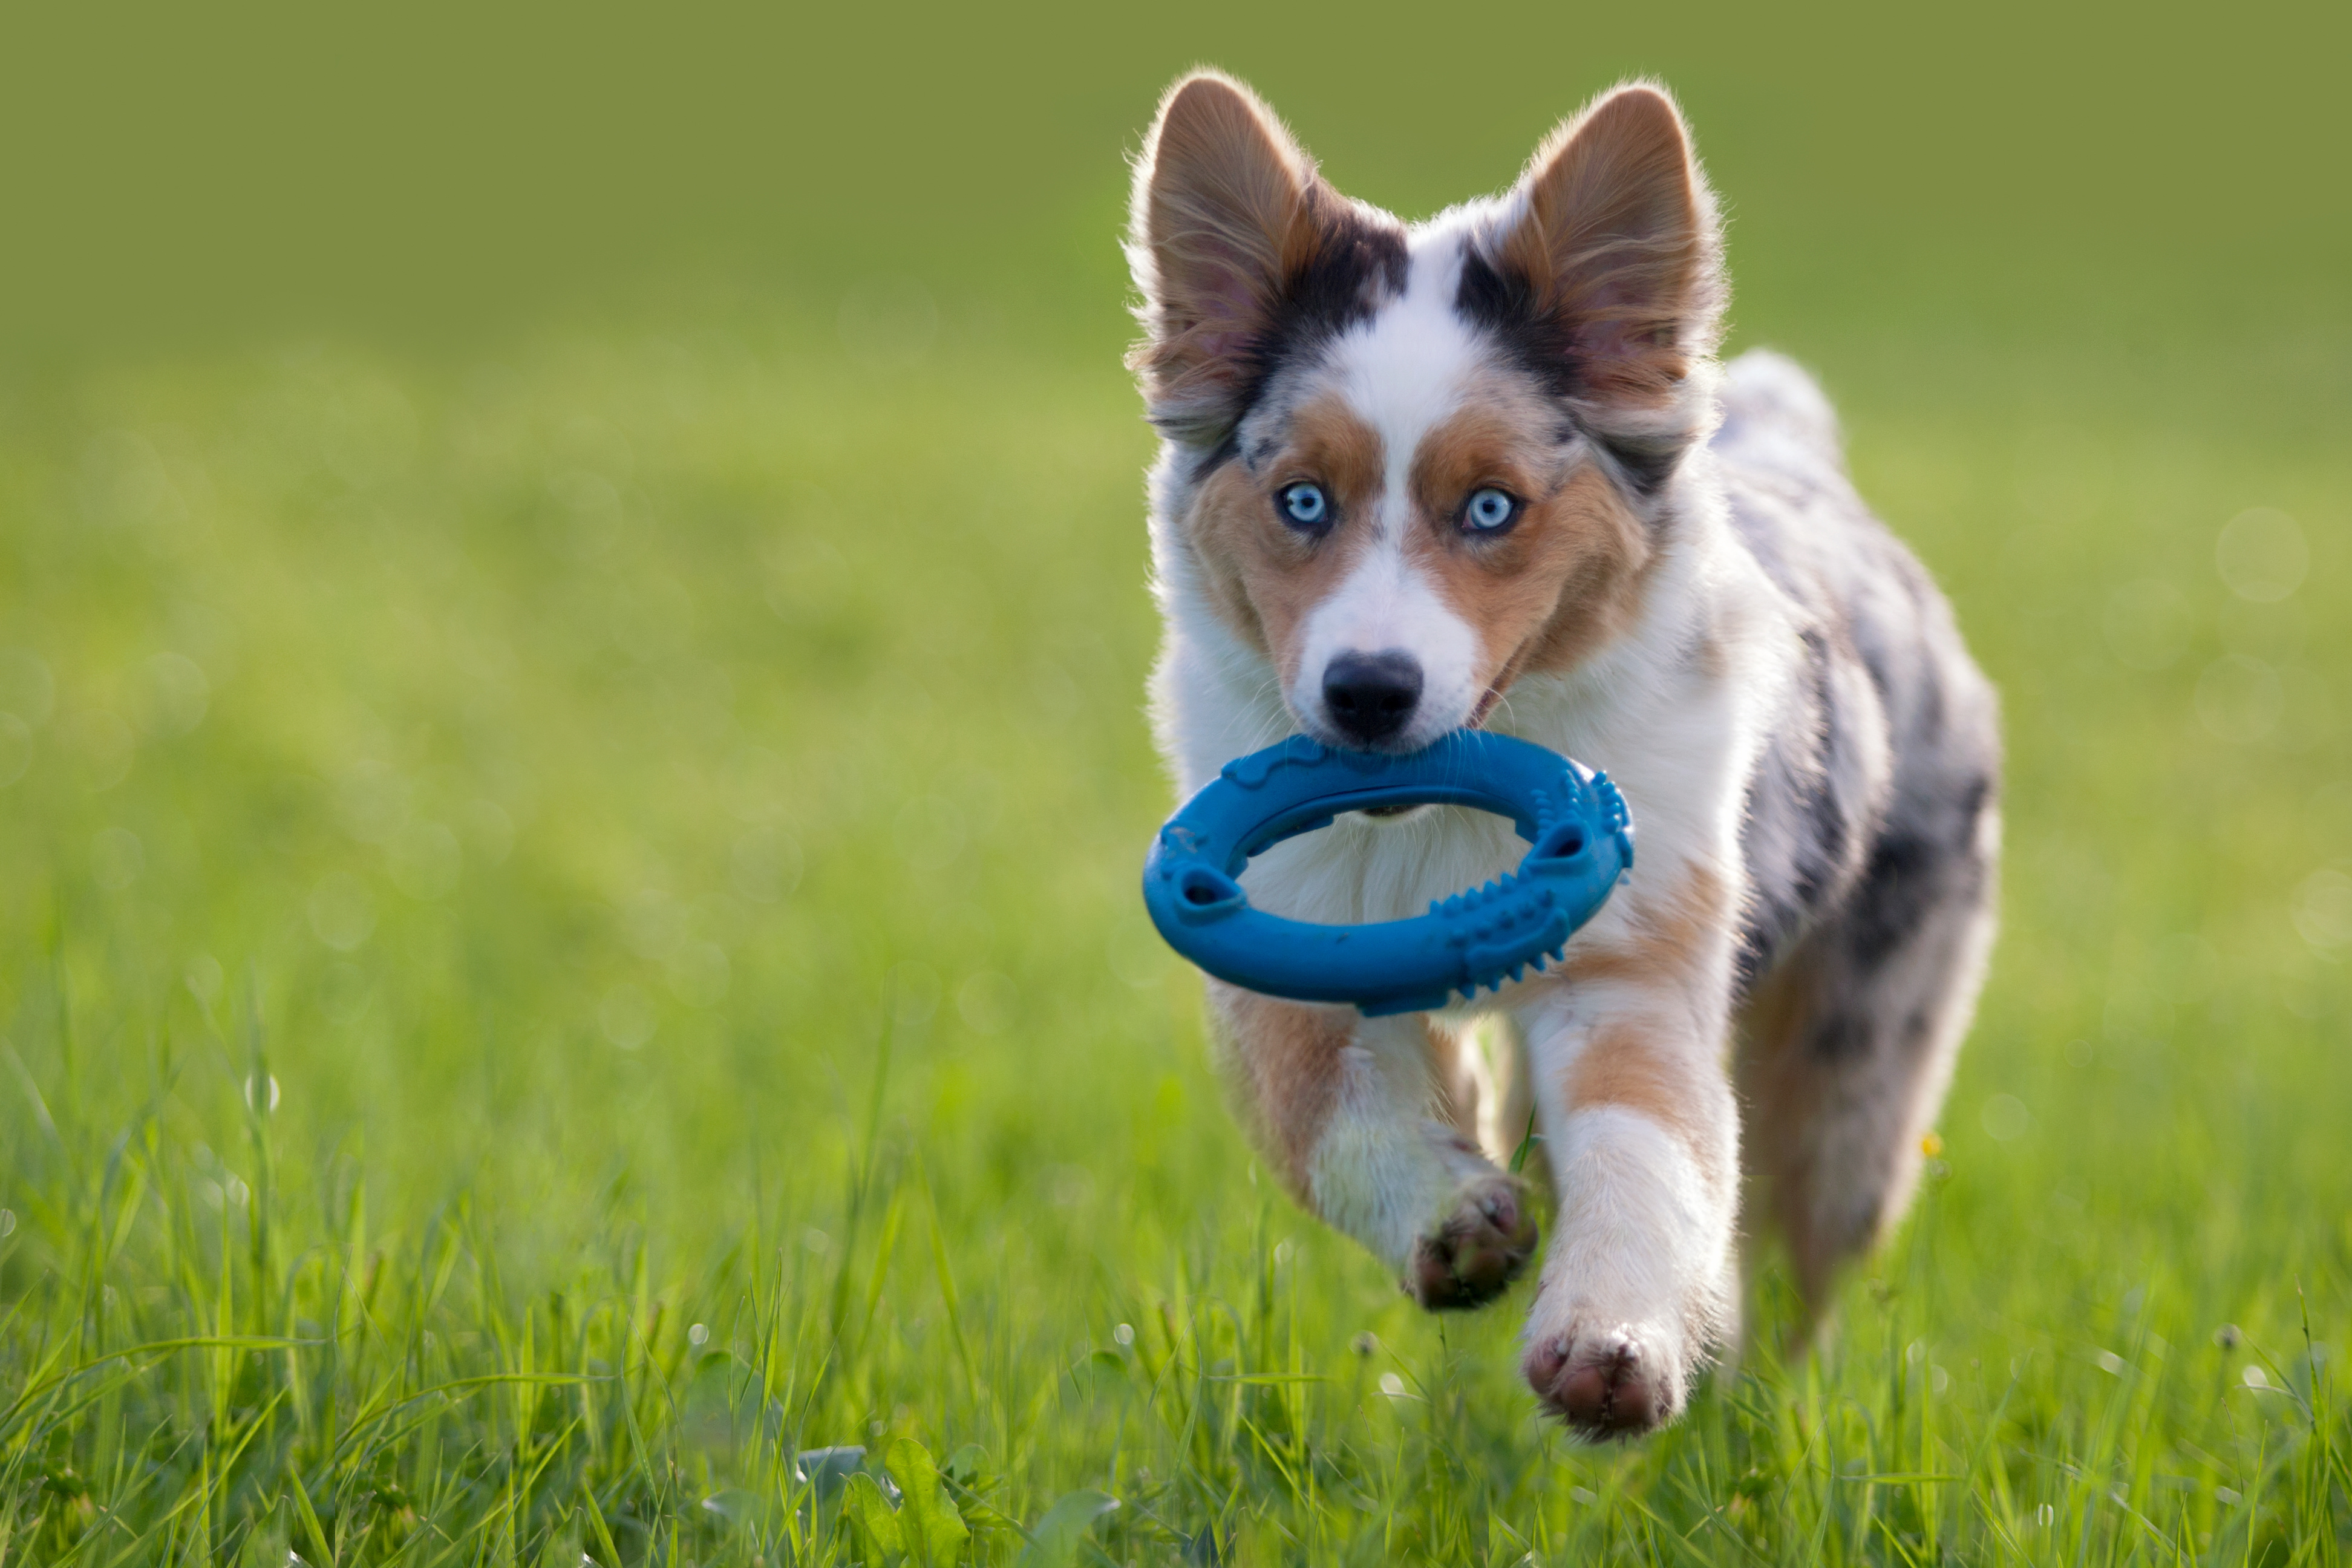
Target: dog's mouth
{"type": "Point", "coordinates": [1477, 720]}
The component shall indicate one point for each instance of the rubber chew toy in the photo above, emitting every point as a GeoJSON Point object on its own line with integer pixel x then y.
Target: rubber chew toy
{"type": "Point", "coordinates": [1581, 839]}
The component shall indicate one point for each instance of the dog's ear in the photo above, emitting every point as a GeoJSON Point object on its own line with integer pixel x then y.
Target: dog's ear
{"type": "Point", "coordinates": [1236, 244]}
{"type": "Point", "coordinates": [1610, 263]}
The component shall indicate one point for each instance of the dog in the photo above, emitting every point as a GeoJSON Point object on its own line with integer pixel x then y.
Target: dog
{"type": "Point", "coordinates": [1486, 469]}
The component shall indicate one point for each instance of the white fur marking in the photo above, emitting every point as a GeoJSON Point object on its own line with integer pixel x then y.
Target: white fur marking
{"type": "Point", "coordinates": [1403, 373]}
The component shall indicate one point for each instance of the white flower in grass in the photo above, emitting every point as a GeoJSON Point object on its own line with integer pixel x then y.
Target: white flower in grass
{"type": "Point", "coordinates": [2006, 1118]}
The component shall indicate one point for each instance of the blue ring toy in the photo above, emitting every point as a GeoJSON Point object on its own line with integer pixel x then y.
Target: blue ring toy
{"type": "Point", "coordinates": [1580, 833]}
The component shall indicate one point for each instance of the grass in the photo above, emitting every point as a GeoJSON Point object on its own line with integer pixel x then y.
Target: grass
{"type": "Point", "coordinates": [569, 938]}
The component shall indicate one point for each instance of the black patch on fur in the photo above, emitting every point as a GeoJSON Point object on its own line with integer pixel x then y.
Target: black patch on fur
{"type": "Point", "coordinates": [1925, 860]}
{"type": "Point", "coordinates": [1505, 305]}
{"type": "Point", "coordinates": [1927, 722]}
{"type": "Point", "coordinates": [1360, 263]}
{"type": "Point", "coordinates": [1840, 1037]}
{"type": "Point", "coordinates": [1974, 797]}
{"type": "Point", "coordinates": [1218, 456]}
{"type": "Point", "coordinates": [1898, 889]}
{"type": "Point", "coordinates": [1646, 468]}
{"type": "Point", "coordinates": [1880, 965]}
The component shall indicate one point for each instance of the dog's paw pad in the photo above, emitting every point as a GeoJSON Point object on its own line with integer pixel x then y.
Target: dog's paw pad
{"type": "Point", "coordinates": [1476, 1251]}
{"type": "Point", "coordinates": [1608, 1385]}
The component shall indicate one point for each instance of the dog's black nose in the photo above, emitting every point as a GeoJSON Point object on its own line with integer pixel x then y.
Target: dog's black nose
{"type": "Point", "coordinates": [1371, 695]}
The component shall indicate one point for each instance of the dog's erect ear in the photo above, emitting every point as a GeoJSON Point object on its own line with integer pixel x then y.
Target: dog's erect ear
{"type": "Point", "coordinates": [1610, 266]}
{"type": "Point", "coordinates": [1238, 248]}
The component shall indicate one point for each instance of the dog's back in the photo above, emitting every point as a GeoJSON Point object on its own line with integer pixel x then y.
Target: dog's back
{"type": "Point", "coordinates": [1870, 838]}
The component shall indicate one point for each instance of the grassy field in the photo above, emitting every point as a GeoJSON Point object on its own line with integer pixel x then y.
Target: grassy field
{"type": "Point", "coordinates": [568, 937]}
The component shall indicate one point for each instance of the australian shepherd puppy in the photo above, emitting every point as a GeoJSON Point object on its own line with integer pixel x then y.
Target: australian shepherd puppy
{"type": "Point", "coordinates": [1486, 469]}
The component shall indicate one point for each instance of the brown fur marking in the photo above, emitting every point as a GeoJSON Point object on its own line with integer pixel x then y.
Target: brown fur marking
{"type": "Point", "coordinates": [1666, 957]}
{"type": "Point", "coordinates": [1666, 949]}
{"type": "Point", "coordinates": [1266, 577]}
{"type": "Point", "coordinates": [1782, 1090]}
{"type": "Point", "coordinates": [1622, 1067]}
{"type": "Point", "coordinates": [1543, 597]}
{"type": "Point", "coordinates": [1282, 1059]}
{"type": "Point", "coordinates": [1568, 575]}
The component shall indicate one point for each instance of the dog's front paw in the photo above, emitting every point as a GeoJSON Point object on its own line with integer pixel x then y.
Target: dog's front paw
{"type": "Point", "coordinates": [1476, 1250]}
{"type": "Point", "coordinates": [1613, 1382]}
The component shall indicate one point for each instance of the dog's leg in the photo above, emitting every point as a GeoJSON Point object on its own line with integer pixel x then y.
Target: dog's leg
{"type": "Point", "coordinates": [1850, 1044]}
{"type": "Point", "coordinates": [1493, 1072]}
{"type": "Point", "coordinates": [1627, 1052]}
{"type": "Point", "coordinates": [1355, 1114]}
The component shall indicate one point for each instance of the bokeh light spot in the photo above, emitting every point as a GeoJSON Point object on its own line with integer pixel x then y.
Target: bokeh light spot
{"type": "Point", "coordinates": [2261, 554]}
{"type": "Point", "coordinates": [175, 696]}
{"type": "Point", "coordinates": [2323, 910]}
{"type": "Point", "coordinates": [2005, 1118]}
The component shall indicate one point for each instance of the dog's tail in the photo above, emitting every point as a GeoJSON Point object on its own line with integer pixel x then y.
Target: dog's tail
{"type": "Point", "coordinates": [1770, 405]}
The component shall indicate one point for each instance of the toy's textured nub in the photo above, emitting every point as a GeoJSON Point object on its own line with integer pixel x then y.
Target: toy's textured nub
{"type": "Point", "coordinates": [1576, 822]}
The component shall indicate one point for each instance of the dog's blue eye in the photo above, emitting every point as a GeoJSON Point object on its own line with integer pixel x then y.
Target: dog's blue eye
{"type": "Point", "coordinates": [1304, 506]}
{"type": "Point", "coordinates": [1489, 509]}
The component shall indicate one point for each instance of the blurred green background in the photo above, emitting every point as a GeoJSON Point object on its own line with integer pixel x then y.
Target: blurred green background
{"type": "Point", "coordinates": [433, 174]}
{"type": "Point", "coordinates": [571, 631]}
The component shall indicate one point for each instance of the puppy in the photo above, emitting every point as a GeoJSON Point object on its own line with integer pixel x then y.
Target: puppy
{"type": "Point", "coordinates": [1486, 469]}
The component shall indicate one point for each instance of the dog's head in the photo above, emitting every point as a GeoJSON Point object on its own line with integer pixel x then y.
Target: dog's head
{"type": "Point", "coordinates": [1414, 466]}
